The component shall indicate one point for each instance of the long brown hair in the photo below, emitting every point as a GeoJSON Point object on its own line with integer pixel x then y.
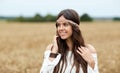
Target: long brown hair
{"type": "Point", "coordinates": [77, 40]}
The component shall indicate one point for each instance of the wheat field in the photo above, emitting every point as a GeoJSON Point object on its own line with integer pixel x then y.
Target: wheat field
{"type": "Point", "coordinates": [22, 45]}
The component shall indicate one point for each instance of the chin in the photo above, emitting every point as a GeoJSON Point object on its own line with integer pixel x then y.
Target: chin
{"type": "Point", "coordinates": [64, 38]}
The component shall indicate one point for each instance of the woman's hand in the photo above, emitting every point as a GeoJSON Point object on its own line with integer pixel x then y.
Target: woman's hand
{"type": "Point", "coordinates": [86, 54]}
{"type": "Point", "coordinates": [55, 46]}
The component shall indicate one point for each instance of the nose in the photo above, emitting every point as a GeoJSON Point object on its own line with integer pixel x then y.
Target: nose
{"type": "Point", "coordinates": [61, 27]}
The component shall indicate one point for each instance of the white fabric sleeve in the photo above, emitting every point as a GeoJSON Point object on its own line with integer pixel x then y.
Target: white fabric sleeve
{"type": "Point", "coordinates": [95, 70]}
{"type": "Point", "coordinates": [48, 66]}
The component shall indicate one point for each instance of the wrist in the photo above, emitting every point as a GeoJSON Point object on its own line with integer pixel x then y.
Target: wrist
{"type": "Point", "coordinates": [54, 50]}
{"type": "Point", "coordinates": [91, 63]}
{"type": "Point", "coordinates": [53, 55]}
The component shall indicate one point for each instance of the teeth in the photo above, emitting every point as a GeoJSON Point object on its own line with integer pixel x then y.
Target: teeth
{"type": "Point", "coordinates": [62, 33]}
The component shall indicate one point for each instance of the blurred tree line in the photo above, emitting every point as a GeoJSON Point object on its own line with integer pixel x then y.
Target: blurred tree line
{"type": "Point", "coordinates": [116, 19]}
{"type": "Point", "coordinates": [47, 18]}
{"type": "Point", "coordinates": [36, 18]}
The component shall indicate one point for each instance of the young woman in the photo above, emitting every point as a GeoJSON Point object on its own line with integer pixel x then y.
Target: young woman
{"type": "Point", "coordinates": [69, 53]}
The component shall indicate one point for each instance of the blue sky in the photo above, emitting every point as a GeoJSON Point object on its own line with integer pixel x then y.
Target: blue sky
{"type": "Point", "coordinates": [95, 8]}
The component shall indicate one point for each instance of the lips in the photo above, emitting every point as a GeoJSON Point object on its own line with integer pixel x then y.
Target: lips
{"type": "Point", "coordinates": [62, 33]}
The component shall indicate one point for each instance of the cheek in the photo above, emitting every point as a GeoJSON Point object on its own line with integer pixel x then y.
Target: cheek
{"type": "Point", "coordinates": [70, 31]}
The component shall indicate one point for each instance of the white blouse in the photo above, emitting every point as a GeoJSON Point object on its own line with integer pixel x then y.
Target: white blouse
{"type": "Point", "coordinates": [48, 66]}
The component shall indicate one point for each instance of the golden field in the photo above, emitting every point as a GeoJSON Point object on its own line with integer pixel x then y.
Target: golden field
{"type": "Point", "coordinates": [22, 45]}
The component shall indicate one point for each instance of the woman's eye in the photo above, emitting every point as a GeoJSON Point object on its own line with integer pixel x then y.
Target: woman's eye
{"type": "Point", "coordinates": [66, 24]}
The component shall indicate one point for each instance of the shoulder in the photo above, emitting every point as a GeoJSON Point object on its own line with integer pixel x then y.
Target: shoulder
{"type": "Point", "coordinates": [91, 48]}
{"type": "Point", "coordinates": [49, 47]}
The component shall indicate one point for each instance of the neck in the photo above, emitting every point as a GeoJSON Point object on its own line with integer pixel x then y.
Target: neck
{"type": "Point", "coordinates": [70, 44]}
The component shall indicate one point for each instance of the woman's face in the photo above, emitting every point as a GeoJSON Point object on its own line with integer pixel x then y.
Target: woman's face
{"type": "Point", "coordinates": [64, 29]}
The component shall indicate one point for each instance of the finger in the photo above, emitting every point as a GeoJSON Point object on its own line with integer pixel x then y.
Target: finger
{"type": "Point", "coordinates": [79, 52]}
{"type": "Point", "coordinates": [86, 49]}
{"type": "Point", "coordinates": [55, 38]}
{"type": "Point", "coordinates": [55, 41]}
{"type": "Point", "coordinates": [83, 49]}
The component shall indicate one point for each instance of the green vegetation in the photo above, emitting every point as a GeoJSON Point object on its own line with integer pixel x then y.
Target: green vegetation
{"type": "Point", "coordinates": [40, 18]}
{"type": "Point", "coordinates": [52, 18]}
{"type": "Point", "coordinates": [86, 17]}
{"type": "Point", "coordinates": [36, 18]}
{"type": "Point", "coordinates": [116, 19]}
